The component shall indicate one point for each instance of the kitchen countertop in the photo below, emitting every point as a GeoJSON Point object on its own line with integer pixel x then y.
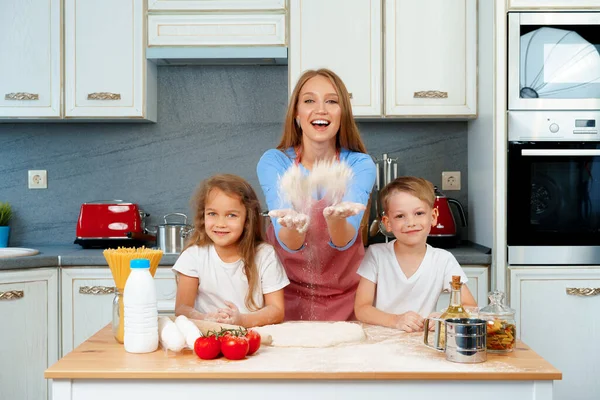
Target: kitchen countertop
{"type": "Point", "coordinates": [75, 255]}
{"type": "Point", "coordinates": [385, 354]}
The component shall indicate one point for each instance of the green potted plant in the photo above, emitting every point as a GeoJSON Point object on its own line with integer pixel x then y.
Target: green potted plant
{"type": "Point", "coordinates": [5, 216]}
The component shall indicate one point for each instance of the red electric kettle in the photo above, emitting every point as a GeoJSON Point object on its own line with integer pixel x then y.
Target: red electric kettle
{"type": "Point", "coordinates": [445, 232]}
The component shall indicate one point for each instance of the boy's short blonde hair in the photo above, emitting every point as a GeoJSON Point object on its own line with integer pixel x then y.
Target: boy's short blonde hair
{"type": "Point", "coordinates": [418, 187]}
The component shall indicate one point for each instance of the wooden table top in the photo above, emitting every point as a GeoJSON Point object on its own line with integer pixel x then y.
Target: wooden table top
{"type": "Point", "coordinates": [387, 354]}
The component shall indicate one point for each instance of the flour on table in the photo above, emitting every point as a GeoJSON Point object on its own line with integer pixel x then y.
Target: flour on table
{"type": "Point", "coordinates": [313, 334]}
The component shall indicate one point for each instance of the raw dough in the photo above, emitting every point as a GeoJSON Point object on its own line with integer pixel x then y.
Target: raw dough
{"type": "Point", "coordinates": [313, 334]}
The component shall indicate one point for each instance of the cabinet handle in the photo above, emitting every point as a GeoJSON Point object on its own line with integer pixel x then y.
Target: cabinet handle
{"type": "Point", "coordinates": [583, 291]}
{"type": "Point", "coordinates": [96, 290]}
{"type": "Point", "coordinates": [12, 295]}
{"type": "Point", "coordinates": [21, 96]}
{"type": "Point", "coordinates": [431, 94]}
{"type": "Point", "coordinates": [350, 94]}
{"type": "Point", "coordinates": [104, 96]}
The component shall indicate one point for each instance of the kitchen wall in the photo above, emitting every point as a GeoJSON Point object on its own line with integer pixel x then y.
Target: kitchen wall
{"type": "Point", "coordinates": [211, 119]}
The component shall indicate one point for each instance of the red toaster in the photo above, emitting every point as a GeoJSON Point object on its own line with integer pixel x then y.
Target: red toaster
{"type": "Point", "coordinates": [106, 223]}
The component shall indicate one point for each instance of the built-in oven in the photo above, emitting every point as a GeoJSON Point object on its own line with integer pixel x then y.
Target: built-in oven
{"type": "Point", "coordinates": [553, 188]}
{"type": "Point", "coordinates": [554, 61]}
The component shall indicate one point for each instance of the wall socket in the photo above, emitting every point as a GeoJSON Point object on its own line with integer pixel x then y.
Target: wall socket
{"type": "Point", "coordinates": [38, 179]}
{"type": "Point", "coordinates": [451, 180]}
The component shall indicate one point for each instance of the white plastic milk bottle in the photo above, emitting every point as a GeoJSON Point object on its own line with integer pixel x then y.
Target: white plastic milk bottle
{"type": "Point", "coordinates": [140, 309]}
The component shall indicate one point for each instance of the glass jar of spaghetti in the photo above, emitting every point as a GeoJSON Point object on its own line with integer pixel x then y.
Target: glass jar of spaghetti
{"type": "Point", "coordinates": [501, 326]}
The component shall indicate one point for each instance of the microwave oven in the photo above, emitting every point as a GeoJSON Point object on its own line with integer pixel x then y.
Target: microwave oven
{"type": "Point", "coordinates": [553, 61]}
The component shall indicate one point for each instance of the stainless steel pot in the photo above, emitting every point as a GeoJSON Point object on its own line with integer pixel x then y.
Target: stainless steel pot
{"type": "Point", "coordinates": [171, 236]}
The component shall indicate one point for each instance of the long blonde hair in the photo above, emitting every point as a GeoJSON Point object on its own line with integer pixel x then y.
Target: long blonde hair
{"type": "Point", "coordinates": [251, 238]}
{"type": "Point", "coordinates": [348, 136]}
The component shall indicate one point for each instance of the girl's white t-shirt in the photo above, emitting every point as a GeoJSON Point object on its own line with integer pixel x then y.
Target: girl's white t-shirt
{"type": "Point", "coordinates": [397, 294]}
{"type": "Point", "coordinates": [219, 281]}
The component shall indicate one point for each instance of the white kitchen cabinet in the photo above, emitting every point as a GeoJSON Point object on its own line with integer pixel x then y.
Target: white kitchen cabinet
{"type": "Point", "coordinates": [557, 316]}
{"type": "Point", "coordinates": [550, 5]}
{"type": "Point", "coordinates": [429, 54]}
{"type": "Point", "coordinates": [106, 73]}
{"type": "Point", "coordinates": [87, 297]}
{"type": "Point", "coordinates": [344, 36]}
{"type": "Point", "coordinates": [29, 310]}
{"type": "Point", "coordinates": [478, 284]}
{"type": "Point", "coordinates": [431, 58]}
{"type": "Point", "coordinates": [216, 30]}
{"type": "Point", "coordinates": [215, 5]}
{"type": "Point", "coordinates": [30, 74]}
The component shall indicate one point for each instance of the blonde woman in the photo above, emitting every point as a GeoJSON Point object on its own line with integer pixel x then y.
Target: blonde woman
{"type": "Point", "coordinates": [320, 250]}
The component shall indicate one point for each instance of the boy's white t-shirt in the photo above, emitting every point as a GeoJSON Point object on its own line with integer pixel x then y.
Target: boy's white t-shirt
{"type": "Point", "coordinates": [397, 294]}
{"type": "Point", "coordinates": [219, 281]}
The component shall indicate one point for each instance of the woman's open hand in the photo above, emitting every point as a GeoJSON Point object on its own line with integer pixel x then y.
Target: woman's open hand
{"type": "Point", "coordinates": [410, 321]}
{"type": "Point", "coordinates": [344, 209]}
{"type": "Point", "coordinates": [291, 219]}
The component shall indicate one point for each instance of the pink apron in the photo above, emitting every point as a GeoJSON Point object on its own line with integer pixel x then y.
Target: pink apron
{"type": "Point", "coordinates": [323, 280]}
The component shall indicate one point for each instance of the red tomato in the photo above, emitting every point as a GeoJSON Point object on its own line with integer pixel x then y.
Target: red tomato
{"type": "Point", "coordinates": [207, 347]}
{"type": "Point", "coordinates": [253, 341]}
{"type": "Point", "coordinates": [234, 347]}
{"type": "Point", "coordinates": [224, 336]}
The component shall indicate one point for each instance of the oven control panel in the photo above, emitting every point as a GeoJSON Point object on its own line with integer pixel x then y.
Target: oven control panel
{"type": "Point", "coordinates": [553, 126]}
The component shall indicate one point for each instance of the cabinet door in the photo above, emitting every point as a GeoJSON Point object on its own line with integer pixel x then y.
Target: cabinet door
{"type": "Point", "coordinates": [478, 284]}
{"type": "Point", "coordinates": [550, 5]}
{"type": "Point", "coordinates": [557, 316]}
{"type": "Point", "coordinates": [431, 58]}
{"type": "Point", "coordinates": [87, 297]}
{"type": "Point", "coordinates": [30, 68]}
{"type": "Point", "coordinates": [29, 310]}
{"type": "Point", "coordinates": [216, 30]}
{"type": "Point", "coordinates": [344, 36]}
{"type": "Point", "coordinates": [105, 68]}
{"type": "Point", "coordinates": [212, 5]}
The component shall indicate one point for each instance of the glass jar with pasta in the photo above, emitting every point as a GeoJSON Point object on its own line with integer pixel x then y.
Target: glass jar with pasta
{"type": "Point", "coordinates": [501, 326]}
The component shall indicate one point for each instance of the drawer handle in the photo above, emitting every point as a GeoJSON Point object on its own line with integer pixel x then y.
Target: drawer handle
{"type": "Point", "coordinates": [21, 96]}
{"type": "Point", "coordinates": [583, 291]}
{"type": "Point", "coordinates": [12, 295]}
{"type": "Point", "coordinates": [96, 290]}
{"type": "Point", "coordinates": [104, 96]}
{"type": "Point", "coordinates": [431, 94]}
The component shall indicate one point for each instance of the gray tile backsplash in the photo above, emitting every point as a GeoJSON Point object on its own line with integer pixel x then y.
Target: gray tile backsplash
{"type": "Point", "coordinates": [211, 119]}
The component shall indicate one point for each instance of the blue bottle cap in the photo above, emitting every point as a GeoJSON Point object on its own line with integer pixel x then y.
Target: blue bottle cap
{"type": "Point", "coordinates": [139, 263]}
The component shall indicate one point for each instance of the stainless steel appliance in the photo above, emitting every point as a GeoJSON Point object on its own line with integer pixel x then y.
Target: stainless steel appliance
{"type": "Point", "coordinates": [553, 188]}
{"type": "Point", "coordinates": [554, 61]}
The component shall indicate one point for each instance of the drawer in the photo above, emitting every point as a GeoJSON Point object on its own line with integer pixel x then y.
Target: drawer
{"type": "Point", "coordinates": [216, 30]}
{"type": "Point", "coordinates": [213, 5]}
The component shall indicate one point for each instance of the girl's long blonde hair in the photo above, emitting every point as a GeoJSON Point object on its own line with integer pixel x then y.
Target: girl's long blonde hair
{"type": "Point", "coordinates": [251, 238]}
{"type": "Point", "coordinates": [348, 136]}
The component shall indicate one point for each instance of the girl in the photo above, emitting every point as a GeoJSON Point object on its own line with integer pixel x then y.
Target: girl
{"type": "Point", "coordinates": [227, 273]}
{"type": "Point", "coordinates": [321, 251]}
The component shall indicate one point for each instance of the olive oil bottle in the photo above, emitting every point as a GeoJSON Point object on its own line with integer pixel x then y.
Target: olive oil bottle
{"type": "Point", "coordinates": [455, 308]}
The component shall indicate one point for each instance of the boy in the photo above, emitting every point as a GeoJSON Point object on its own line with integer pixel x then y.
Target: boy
{"type": "Point", "coordinates": [402, 280]}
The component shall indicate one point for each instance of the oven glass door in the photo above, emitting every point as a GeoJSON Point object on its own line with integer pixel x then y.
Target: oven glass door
{"type": "Point", "coordinates": [553, 194]}
{"type": "Point", "coordinates": [554, 61]}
